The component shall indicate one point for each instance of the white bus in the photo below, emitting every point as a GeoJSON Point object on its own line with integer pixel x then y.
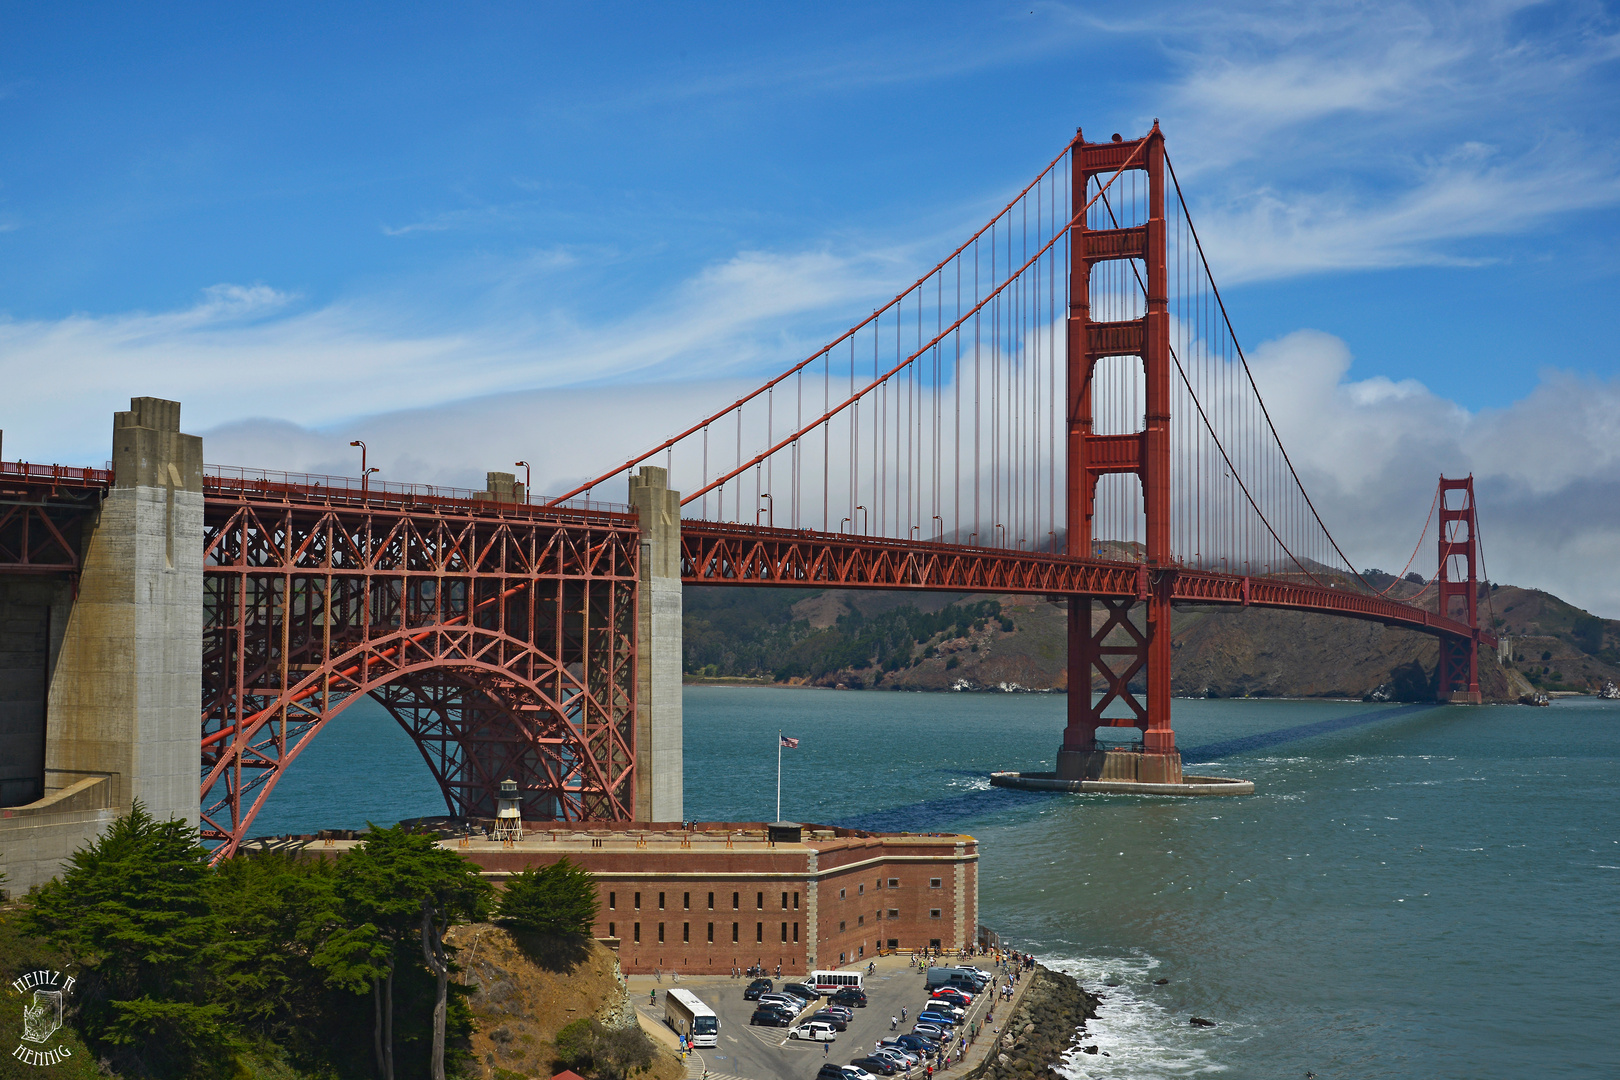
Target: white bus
{"type": "Point", "coordinates": [830, 982]}
{"type": "Point", "coordinates": [690, 1018]}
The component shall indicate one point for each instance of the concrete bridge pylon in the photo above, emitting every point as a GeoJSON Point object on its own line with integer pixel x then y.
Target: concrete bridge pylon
{"type": "Point", "coordinates": [124, 674]}
{"type": "Point", "coordinates": [659, 768]}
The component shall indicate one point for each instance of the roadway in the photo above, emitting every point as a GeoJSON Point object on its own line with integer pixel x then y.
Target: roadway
{"type": "Point", "coordinates": [766, 1053]}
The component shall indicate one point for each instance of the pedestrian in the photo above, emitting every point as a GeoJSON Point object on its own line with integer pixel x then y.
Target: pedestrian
{"type": "Point", "coordinates": [824, 1048]}
{"type": "Point", "coordinates": [893, 1023]}
{"type": "Point", "coordinates": [652, 997]}
{"type": "Point", "coordinates": [778, 971]}
{"type": "Point", "coordinates": [902, 1014]}
{"type": "Point", "coordinates": [930, 1070]}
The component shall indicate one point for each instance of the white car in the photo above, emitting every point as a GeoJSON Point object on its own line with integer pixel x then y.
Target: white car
{"type": "Point", "coordinates": [814, 1031]}
{"type": "Point", "coordinates": [855, 1072]}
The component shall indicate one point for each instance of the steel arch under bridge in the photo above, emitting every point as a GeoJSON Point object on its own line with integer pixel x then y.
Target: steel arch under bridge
{"type": "Point", "coordinates": [500, 636]}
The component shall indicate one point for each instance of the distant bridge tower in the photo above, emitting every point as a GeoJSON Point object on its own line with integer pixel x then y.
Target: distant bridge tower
{"type": "Point", "coordinates": [1459, 559]}
{"type": "Point", "coordinates": [1123, 647]}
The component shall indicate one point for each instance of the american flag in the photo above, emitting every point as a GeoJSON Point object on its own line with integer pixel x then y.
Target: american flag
{"type": "Point", "coordinates": [789, 743]}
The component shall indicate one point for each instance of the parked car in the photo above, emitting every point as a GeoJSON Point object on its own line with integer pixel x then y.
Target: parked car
{"type": "Point", "coordinates": [791, 1012]}
{"type": "Point", "coordinates": [850, 995]}
{"type": "Point", "coordinates": [917, 1042]}
{"type": "Point", "coordinates": [838, 1022]}
{"type": "Point", "coordinates": [932, 1032]}
{"type": "Point", "coordinates": [787, 1001]}
{"type": "Point", "coordinates": [769, 1017]}
{"type": "Point", "coordinates": [951, 993]}
{"type": "Point", "coordinates": [944, 1008]}
{"type": "Point", "coordinates": [756, 988]}
{"type": "Point", "coordinates": [830, 1071]}
{"type": "Point", "coordinates": [814, 1031]}
{"type": "Point", "coordinates": [840, 1011]}
{"type": "Point", "coordinates": [873, 1063]}
{"type": "Point", "coordinates": [801, 991]}
{"type": "Point", "coordinates": [938, 1016]}
{"type": "Point", "coordinates": [891, 1048]}
{"type": "Point", "coordinates": [855, 1072]}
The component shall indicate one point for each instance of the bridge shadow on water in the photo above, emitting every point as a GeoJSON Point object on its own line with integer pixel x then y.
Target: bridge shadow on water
{"type": "Point", "coordinates": [931, 815]}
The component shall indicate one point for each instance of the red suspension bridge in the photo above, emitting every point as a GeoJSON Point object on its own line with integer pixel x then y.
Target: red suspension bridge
{"type": "Point", "coordinates": [1060, 407]}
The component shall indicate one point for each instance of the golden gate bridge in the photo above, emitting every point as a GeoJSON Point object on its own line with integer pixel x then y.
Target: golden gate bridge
{"type": "Point", "coordinates": [1061, 406]}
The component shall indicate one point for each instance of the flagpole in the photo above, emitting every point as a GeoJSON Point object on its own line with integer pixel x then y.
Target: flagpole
{"type": "Point", "coordinates": [779, 775]}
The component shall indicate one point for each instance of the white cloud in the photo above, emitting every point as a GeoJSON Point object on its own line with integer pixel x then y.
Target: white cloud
{"type": "Point", "coordinates": [1546, 469]}
{"type": "Point", "coordinates": [1350, 136]}
{"type": "Point", "coordinates": [251, 351]}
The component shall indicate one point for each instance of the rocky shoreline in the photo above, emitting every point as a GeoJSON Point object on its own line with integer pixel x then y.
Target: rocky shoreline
{"type": "Point", "coordinates": [1047, 1024]}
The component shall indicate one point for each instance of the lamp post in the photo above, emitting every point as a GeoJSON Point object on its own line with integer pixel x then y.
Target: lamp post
{"type": "Point", "coordinates": [528, 479]}
{"type": "Point", "coordinates": [364, 472]}
{"type": "Point", "coordinates": [866, 520]}
{"type": "Point", "coordinates": [769, 508]}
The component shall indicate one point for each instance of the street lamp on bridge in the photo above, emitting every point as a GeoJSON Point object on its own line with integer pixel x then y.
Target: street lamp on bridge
{"type": "Point", "coordinates": [768, 508]}
{"type": "Point", "coordinates": [528, 479]}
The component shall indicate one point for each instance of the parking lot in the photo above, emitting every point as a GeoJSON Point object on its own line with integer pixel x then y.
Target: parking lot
{"type": "Point", "coordinates": [766, 1053]}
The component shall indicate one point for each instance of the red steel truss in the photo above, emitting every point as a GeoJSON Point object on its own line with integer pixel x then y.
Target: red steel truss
{"type": "Point", "coordinates": [42, 509]}
{"type": "Point", "coordinates": [501, 639]}
{"type": "Point", "coordinates": [721, 554]}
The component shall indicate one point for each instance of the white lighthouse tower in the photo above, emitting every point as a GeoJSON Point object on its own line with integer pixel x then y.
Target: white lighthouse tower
{"type": "Point", "coordinates": [509, 814]}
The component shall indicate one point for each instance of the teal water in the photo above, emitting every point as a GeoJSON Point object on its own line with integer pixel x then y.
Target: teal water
{"type": "Point", "coordinates": [1411, 892]}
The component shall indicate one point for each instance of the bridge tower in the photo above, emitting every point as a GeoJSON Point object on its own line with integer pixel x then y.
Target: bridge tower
{"type": "Point", "coordinates": [1459, 560]}
{"type": "Point", "coordinates": [1134, 637]}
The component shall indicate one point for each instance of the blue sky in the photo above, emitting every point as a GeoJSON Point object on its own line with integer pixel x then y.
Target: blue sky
{"type": "Point", "coordinates": [308, 222]}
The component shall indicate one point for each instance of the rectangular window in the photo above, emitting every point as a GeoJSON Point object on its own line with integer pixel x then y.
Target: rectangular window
{"type": "Point", "coordinates": [795, 932]}
{"type": "Point", "coordinates": [613, 900]}
{"type": "Point", "coordinates": [894, 883]}
{"type": "Point", "coordinates": [795, 901]}
{"type": "Point", "coordinates": [637, 929]}
{"type": "Point", "coordinates": [638, 901]}
{"type": "Point", "coordinates": [734, 931]}
{"type": "Point", "coordinates": [759, 931]}
{"type": "Point", "coordinates": [759, 901]}
{"type": "Point", "coordinates": [894, 913]}
{"type": "Point", "coordinates": [660, 933]}
{"type": "Point", "coordinates": [840, 894]}
{"type": "Point", "coordinates": [784, 901]}
{"type": "Point", "coordinates": [686, 931]}
{"type": "Point", "coordinates": [611, 931]}
{"type": "Point", "coordinates": [734, 904]}
{"type": "Point", "coordinates": [711, 933]}
{"type": "Point", "coordinates": [686, 901]}
{"type": "Point", "coordinates": [933, 943]}
{"type": "Point", "coordinates": [784, 931]}
{"type": "Point", "coordinates": [660, 901]}
{"type": "Point", "coordinates": [894, 943]}
{"type": "Point", "coordinates": [933, 883]}
{"type": "Point", "coordinates": [711, 901]}
{"type": "Point", "coordinates": [860, 920]}
{"type": "Point", "coordinates": [840, 926]}
{"type": "Point", "coordinates": [933, 913]}
{"type": "Point", "coordinates": [860, 890]}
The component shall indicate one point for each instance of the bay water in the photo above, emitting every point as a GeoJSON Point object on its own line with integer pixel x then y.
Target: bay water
{"type": "Point", "coordinates": [1412, 891]}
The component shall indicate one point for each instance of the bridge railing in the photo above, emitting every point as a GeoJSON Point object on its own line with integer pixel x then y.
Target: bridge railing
{"type": "Point", "coordinates": [235, 481]}
{"type": "Point", "coordinates": [34, 473]}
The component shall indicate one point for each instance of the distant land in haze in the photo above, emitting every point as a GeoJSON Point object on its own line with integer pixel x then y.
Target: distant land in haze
{"type": "Point", "coordinates": [859, 639]}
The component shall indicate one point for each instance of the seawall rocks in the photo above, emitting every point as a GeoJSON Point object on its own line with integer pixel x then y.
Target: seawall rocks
{"type": "Point", "coordinates": [1046, 1024]}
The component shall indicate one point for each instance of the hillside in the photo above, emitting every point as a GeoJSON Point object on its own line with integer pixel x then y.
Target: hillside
{"type": "Point", "coordinates": [941, 641]}
{"type": "Point", "coordinates": [525, 992]}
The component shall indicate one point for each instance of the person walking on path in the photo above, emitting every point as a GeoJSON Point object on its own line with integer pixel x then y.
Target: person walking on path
{"type": "Point", "coordinates": [652, 998]}
{"type": "Point", "coordinates": [893, 1023]}
{"type": "Point", "coordinates": [902, 1014]}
